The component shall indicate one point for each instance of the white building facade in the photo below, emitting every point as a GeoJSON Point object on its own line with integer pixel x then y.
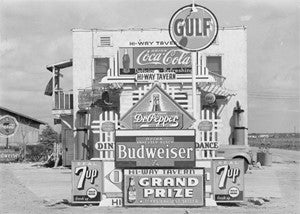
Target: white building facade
{"type": "Point", "coordinates": [221, 70]}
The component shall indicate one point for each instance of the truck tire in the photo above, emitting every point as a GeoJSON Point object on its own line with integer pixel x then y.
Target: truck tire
{"type": "Point", "coordinates": [246, 164]}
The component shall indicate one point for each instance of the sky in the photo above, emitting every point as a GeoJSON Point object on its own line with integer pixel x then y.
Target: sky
{"type": "Point", "coordinates": [37, 33]}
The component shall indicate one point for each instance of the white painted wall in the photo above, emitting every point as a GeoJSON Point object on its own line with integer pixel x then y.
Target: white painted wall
{"type": "Point", "coordinates": [231, 44]}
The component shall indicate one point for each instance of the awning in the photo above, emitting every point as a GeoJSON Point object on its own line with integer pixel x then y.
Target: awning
{"type": "Point", "coordinates": [216, 89]}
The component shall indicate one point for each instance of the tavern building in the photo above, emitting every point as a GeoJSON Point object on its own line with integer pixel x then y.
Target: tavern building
{"type": "Point", "coordinates": [114, 69]}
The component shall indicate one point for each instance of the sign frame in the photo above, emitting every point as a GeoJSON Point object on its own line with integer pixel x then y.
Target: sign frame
{"type": "Point", "coordinates": [203, 175]}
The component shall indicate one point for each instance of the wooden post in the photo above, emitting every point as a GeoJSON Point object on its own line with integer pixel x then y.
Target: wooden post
{"type": "Point", "coordinates": [7, 143]}
{"type": "Point", "coordinates": [194, 85]}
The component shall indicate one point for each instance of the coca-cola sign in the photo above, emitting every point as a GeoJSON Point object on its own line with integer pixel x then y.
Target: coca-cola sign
{"type": "Point", "coordinates": [161, 57]}
{"type": "Point", "coordinates": [147, 59]}
{"type": "Point", "coordinates": [157, 120]}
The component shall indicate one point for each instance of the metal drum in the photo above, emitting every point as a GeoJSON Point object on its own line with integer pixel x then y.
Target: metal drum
{"type": "Point", "coordinates": [264, 156]}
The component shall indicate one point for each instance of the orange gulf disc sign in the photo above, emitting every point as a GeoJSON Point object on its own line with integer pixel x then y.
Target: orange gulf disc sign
{"type": "Point", "coordinates": [193, 28]}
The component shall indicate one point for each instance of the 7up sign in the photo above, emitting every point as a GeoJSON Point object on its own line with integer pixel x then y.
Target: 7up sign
{"type": "Point", "coordinates": [228, 180]}
{"type": "Point", "coordinates": [193, 28]}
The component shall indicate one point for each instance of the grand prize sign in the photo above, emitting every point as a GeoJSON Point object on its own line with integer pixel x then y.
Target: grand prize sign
{"type": "Point", "coordinates": [193, 28]}
{"type": "Point", "coordinates": [164, 187]}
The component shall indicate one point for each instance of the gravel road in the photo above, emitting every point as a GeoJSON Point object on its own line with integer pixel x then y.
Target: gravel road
{"type": "Point", "coordinates": [26, 189]}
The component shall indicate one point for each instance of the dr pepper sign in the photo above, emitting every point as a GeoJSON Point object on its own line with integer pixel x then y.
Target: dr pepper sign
{"type": "Point", "coordinates": [193, 28]}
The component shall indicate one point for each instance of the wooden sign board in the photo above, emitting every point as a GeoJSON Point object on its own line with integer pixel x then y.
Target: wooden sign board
{"type": "Point", "coordinates": [157, 110]}
{"type": "Point", "coordinates": [87, 179]}
{"type": "Point", "coordinates": [228, 180]}
{"type": "Point", "coordinates": [164, 187]}
{"type": "Point", "coordinates": [162, 148]}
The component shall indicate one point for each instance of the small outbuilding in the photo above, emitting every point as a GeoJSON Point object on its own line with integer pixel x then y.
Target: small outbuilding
{"type": "Point", "coordinates": [27, 129]}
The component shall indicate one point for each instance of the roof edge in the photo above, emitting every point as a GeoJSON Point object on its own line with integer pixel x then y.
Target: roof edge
{"type": "Point", "coordinates": [23, 115]}
{"type": "Point", "coordinates": [149, 29]}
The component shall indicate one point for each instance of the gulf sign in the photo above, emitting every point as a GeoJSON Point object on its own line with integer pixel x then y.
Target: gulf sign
{"type": "Point", "coordinates": [193, 28]}
{"type": "Point", "coordinates": [86, 182]}
{"type": "Point", "coordinates": [164, 187]}
{"type": "Point", "coordinates": [228, 180]}
{"type": "Point", "coordinates": [162, 148]}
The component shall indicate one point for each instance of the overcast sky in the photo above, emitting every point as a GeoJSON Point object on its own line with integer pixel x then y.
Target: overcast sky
{"type": "Point", "coordinates": [34, 34]}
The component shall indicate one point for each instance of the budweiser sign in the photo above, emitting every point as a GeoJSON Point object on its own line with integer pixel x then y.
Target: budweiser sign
{"type": "Point", "coordinates": [161, 57]}
{"type": "Point", "coordinates": [162, 148]}
{"type": "Point", "coordinates": [170, 120]}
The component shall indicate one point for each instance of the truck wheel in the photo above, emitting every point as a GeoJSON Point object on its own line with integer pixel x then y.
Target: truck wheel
{"type": "Point", "coordinates": [246, 165]}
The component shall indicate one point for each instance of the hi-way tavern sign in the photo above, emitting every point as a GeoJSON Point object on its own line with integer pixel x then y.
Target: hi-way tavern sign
{"type": "Point", "coordinates": [193, 28]}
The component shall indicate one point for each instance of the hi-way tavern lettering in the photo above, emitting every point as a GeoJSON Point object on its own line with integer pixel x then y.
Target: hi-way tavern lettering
{"type": "Point", "coordinates": [151, 43]}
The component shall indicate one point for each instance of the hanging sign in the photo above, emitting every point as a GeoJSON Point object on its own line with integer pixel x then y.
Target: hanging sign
{"type": "Point", "coordinates": [86, 182]}
{"type": "Point", "coordinates": [205, 126]}
{"type": "Point", "coordinates": [8, 126]}
{"type": "Point", "coordinates": [210, 98]}
{"type": "Point", "coordinates": [228, 180]}
{"type": "Point", "coordinates": [162, 148]}
{"type": "Point", "coordinates": [164, 187]}
{"type": "Point", "coordinates": [157, 110]}
{"type": "Point", "coordinates": [193, 28]}
{"type": "Point", "coordinates": [108, 126]}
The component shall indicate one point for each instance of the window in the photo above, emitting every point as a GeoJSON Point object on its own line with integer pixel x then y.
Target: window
{"type": "Point", "coordinates": [101, 67]}
{"type": "Point", "coordinates": [105, 41]}
{"type": "Point", "coordinates": [214, 64]}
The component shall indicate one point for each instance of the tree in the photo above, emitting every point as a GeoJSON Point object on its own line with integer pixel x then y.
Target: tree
{"type": "Point", "coordinates": [49, 137]}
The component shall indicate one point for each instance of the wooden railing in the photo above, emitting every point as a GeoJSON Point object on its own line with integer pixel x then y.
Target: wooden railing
{"type": "Point", "coordinates": [63, 100]}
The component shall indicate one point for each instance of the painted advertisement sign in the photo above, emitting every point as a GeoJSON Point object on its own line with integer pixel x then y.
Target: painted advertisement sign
{"type": "Point", "coordinates": [9, 155]}
{"type": "Point", "coordinates": [228, 180]}
{"type": "Point", "coordinates": [147, 59]}
{"type": "Point", "coordinates": [164, 187]}
{"type": "Point", "coordinates": [156, 110]}
{"type": "Point", "coordinates": [8, 126]}
{"type": "Point", "coordinates": [162, 148]}
{"type": "Point", "coordinates": [86, 182]}
{"type": "Point", "coordinates": [193, 28]}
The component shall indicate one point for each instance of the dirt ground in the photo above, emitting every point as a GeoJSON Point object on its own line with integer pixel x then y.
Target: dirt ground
{"type": "Point", "coordinates": [30, 189]}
